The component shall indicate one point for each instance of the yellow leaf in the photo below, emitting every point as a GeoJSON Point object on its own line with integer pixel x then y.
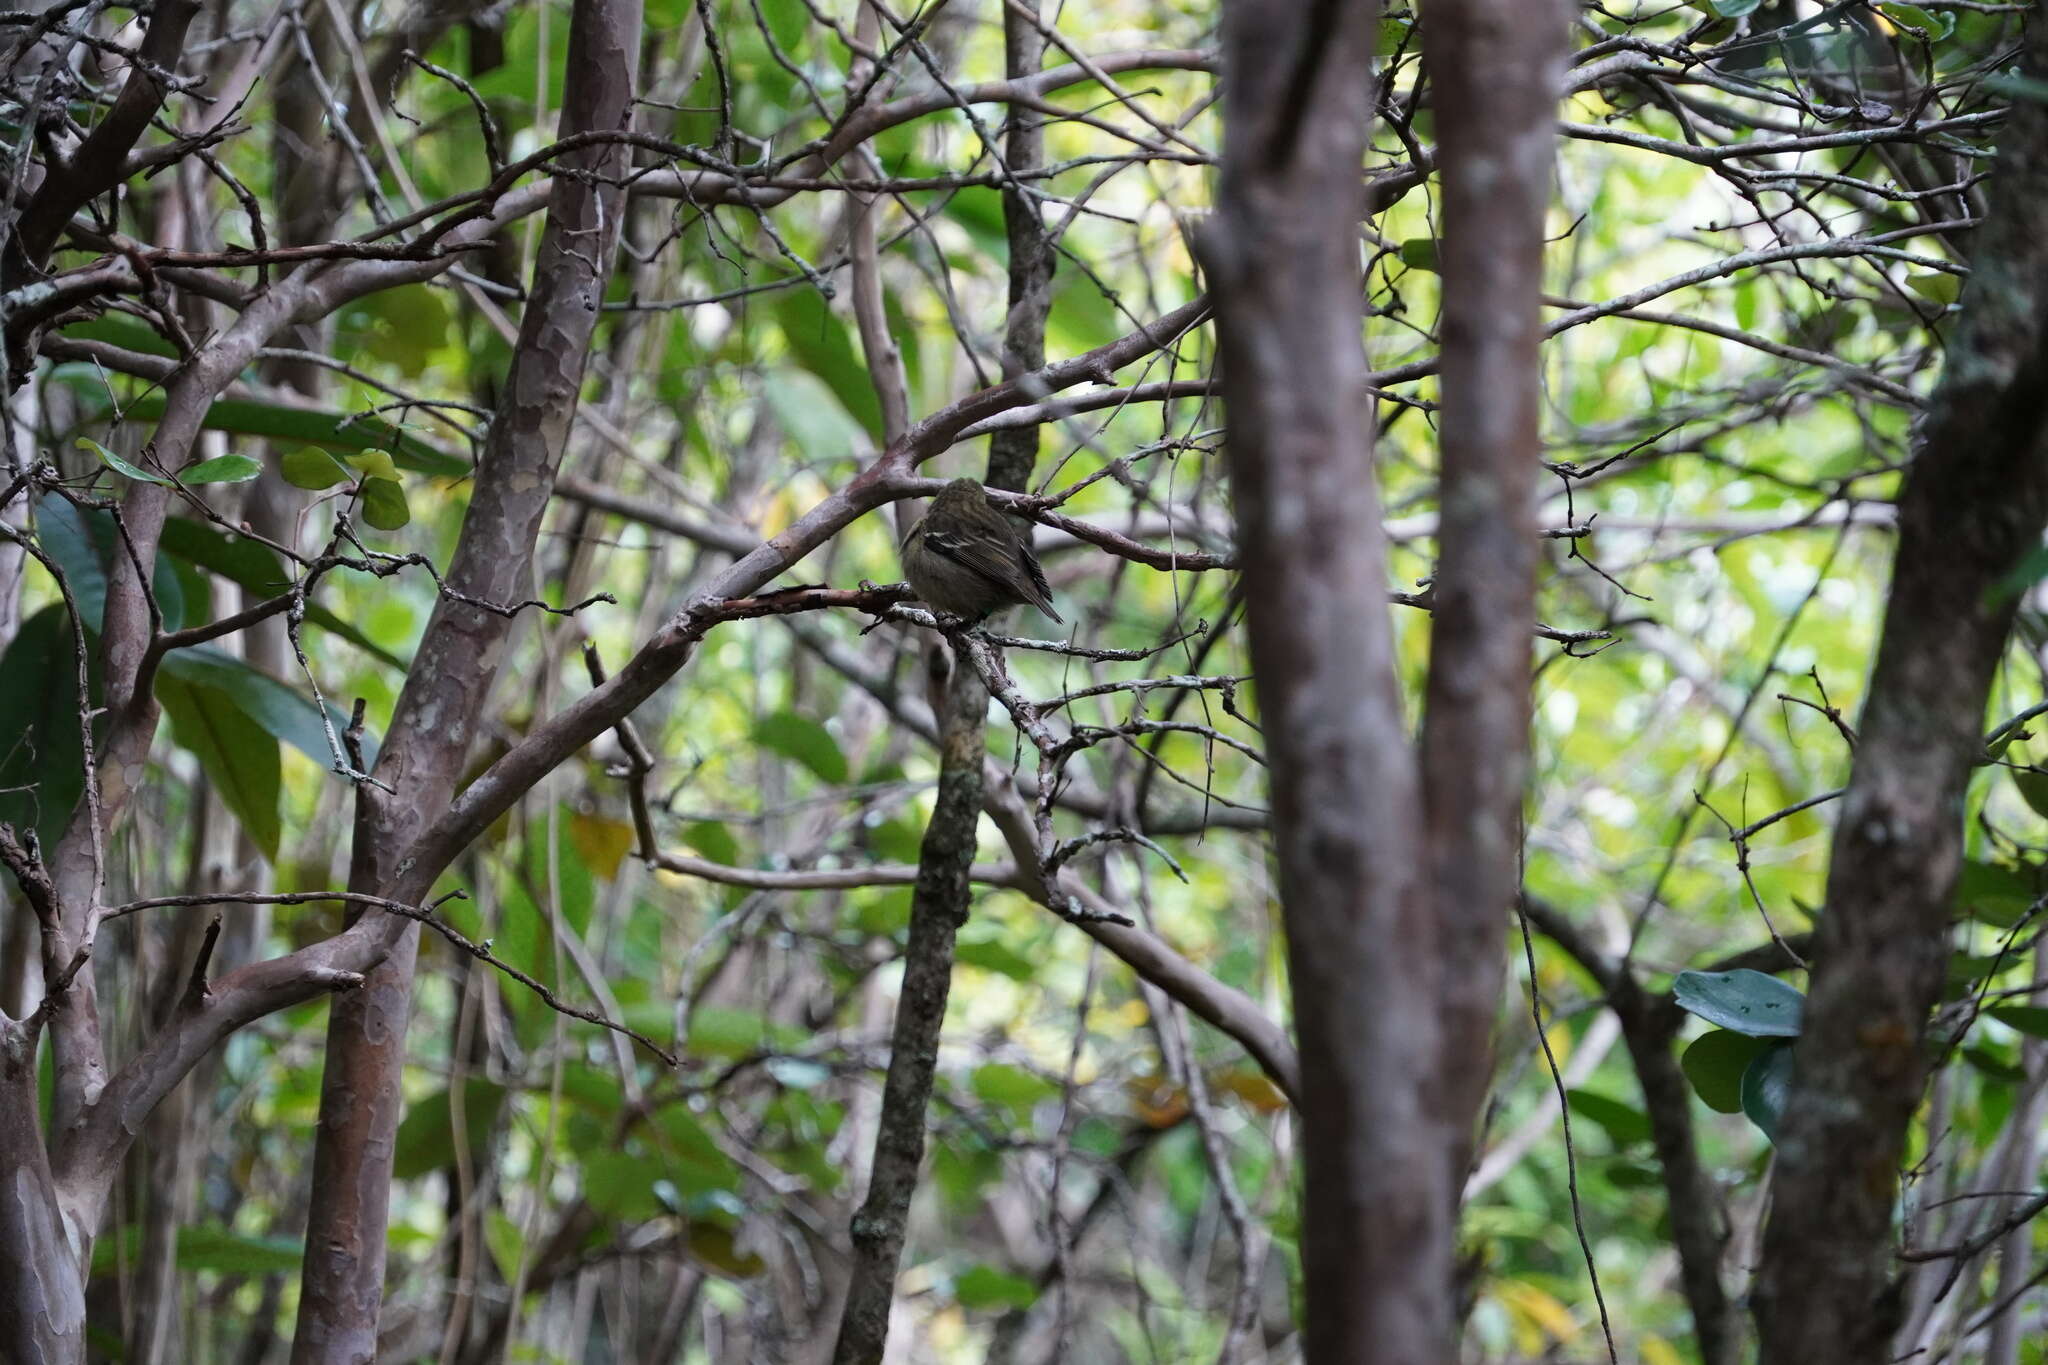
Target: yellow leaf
{"type": "Point", "coordinates": [1657, 1351]}
{"type": "Point", "coordinates": [1537, 1317]}
{"type": "Point", "coordinates": [603, 843]}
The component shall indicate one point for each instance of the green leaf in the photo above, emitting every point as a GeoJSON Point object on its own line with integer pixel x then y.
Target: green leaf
{"type": "Point", "coordinates": [2031, 1020]}
{"type": "Point", "coordinates": [1633, 1175]}
{"type": "Point", "coordinates": [239, 756]}
{"type": "Point", "coordinates": [1011, 1086]}
{"type": "Point", "coordinates": [1936, 286]}
{"type": "Point", "coordinates": [1919, 22]}
{"type": "Point", "coordinates": [313, 468]}
{"type": "Point", "coordinates": [208, 1246]}
{"type": "Point", "coordinates": [84, 542]}
{"type": "Point", "coordinates": [426, 1136]}
{"type": "Point", "coordinates": [222, 469]}
{"type": "Point", "coordinates": [1992, 892]}
{"type": "Point", "coordinates": [1624, 1123]}
{"type": "Point", "coordinates": [1715, 1063]}
{"type": "Point", "coordinates": [42, 756]}
{"type": "Point", "coordinates": [506, 1244]}
{"type": "Point", "coordinates": [714, 841]}
{"type": "Point", "coordinates": [280, 709]}
{"type": "Point", "coordinates": [257, 568]}
{"type": "Point", "coordinates": [712, 1245]}
{"type": "Point", "coordinates": [1734, 9]}
{"type": "Point", "coordinates": [1765, 1085]}
{"type": "Point", "coordinates": [121, 466]}
{"type": "Point", "coordinates": [375, 464]}
{"type": "Point", "coordinates": [722, 1031]}
{"type": "Point", "coordinates": [983, 1286]}
{"type": "Point", "coordinates": [384, 504]}
{"type": "Point", "coordinates": [118, 329]}
{"type": "Point", "coordinates": [2029, 571]}
{"type": "Point", "coordinates": [1746, 1001]}
{"type": "Point", "coordinates": [2032, 784]}
{"type": "Point", "coordinates": [805, 740]}
{"type": "Point", "coordinates": [1419, 252]}
{"type": "Point", "coordinates": [811, 416]}
{"type": "Point", "coordinates": [1994, 1063]}
{"type": "Point", "coordinates": [335, 430]}
{"type": "Point", "coordinates": [996, 957]}
{"type": "Point", "coordinates": [821, 343]}
{"type": "Point", "coordinates": [621, 1185]}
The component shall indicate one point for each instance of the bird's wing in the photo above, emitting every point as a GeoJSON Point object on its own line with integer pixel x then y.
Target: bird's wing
{"type": "Point", "coordinates": [1040, 594]}
{"type": "Point", "coordinates": [1008, 563]}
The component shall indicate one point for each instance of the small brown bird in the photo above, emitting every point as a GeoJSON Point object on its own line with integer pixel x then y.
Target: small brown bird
{"type": "Point", "coordinates": [967, 558]}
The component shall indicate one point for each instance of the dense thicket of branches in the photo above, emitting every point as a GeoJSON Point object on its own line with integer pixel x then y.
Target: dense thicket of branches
{"type": "Point", "coordinates": [480, 820]}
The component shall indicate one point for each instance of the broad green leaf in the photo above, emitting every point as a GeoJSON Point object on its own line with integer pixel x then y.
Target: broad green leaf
{"type": "Point", "coordinates": [2032, 784]}
{"type": "Point", "coordinates": [1012, 1086]}
{"type": "Point", "coordinates": [983, 1286]}
{"type": "Point", "coordinates": [1624, 1123]}
{"type": "Point", "coordinates": [1419, 252]}
{"type": "Point", "coordinates": [713, 1246]}
{"type": "Point", "coordinates": [805, 740]}
{"type": "Point", "coordinates": [375, 464]}
{"type": "Point", "coordinates": [1632, 1175]}
{"type": "Point", "coordinates": [313, 468]}
{"type": "Point", "coordinates": [1734, 9]}
{"type": "Point", "coordinates": [239, 756]}
{"type": "Point", "coordinates": [1765, 1085]}
{"type": "Point", "coordinates": [282, 710]}
{"type": "Point", "coordinates": [993, 956]}
{"type": "Point", "coordinates": [1715, 1062]}
{"type": "Point", "coordinates": [810, 415]}
{"type": "Point", "coordinates": [207, 1246]}
{"type": "Point", "coordinates": [339, 431]}
{"type": "Point", "coordinates": [413, 324]}
{"type": "Point", "coordinates": [222, 469]}
{"type": "Point", "coordinates": [119, 329]}
{"type": "Point", "coordinates": [621, 1186]}
{"type": "Point", "coordinates": [384, 504]}
{"type": "Point", "coordinates": [506, 1243]}
{"type": "Point", "coordinates": [821, 343]}
{"type": "Point", "coordinates": [1992, 892]}
{"type": "Point", "coordinates": [426, 1136]}
{"type": "Point", "coordinates": [1936, 286]}
{"type": "Point", "coordinates": [119, 465]}
{"type": "Point", "coordinates": [256, 568]}
{"type": "Point", "coordinates": [1919, 22]}
{"type": "Point", "coordinates": [42, 755]}
{"type": "Point", "coordinates": [713, 841]}
{"type": "Point", "coordinates": [84, 542]}
{"type": "Point", "coordinates": [1746, 1001]}
{"type": "Point", "coordinates": [1993, 1063]}
{"type": "Point", "coordinates": [2031, 1020]}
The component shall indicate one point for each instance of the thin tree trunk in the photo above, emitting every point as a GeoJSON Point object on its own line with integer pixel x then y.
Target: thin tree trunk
{"type": "Point", "coordinates": [431, 731]}
{"type": "Point", "coordinates": [1972, 507]}
{"type": "Point", "coordinates": [1495, 68]}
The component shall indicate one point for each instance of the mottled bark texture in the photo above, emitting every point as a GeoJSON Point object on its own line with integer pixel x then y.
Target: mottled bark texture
{"type": "Point", "coordinates": [445, 692]}
{"type": "Point", "coordinates": [944, 892]}
{"type": "Point", "coordinates": [1282, 259]}
{"type": "Point", "coordinates": [1495, 68]}
{"type": "Point", "coordinates": [1396, 876]}
{"type": "Point", "coordinates": [1971, 508]}
{"type": "Point", "coordinates": [938, 907]}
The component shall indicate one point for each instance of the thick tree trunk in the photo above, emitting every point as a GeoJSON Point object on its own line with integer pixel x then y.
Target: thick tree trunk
{"type": "Point", "coordinates": [1971, 509]}
{"type": "Point", "coordinates": [1282, 257]}
{"type": "Point", "coordinates": [42, 1277]}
